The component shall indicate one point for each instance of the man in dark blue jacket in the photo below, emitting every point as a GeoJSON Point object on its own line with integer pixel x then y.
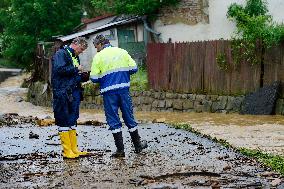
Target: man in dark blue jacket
{"type": "Point", "coordinates": [67, 75]}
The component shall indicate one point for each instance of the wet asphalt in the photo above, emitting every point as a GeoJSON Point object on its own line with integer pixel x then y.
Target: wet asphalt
{"type": "Point", "coordinates": [30, 157]}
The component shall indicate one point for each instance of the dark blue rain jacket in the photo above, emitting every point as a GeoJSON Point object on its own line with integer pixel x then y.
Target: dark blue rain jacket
{"type": "Point", "coordinates": [65, 81]}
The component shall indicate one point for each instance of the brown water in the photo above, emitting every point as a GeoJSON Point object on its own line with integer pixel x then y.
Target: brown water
{"type": "Point", "coordinates": [255, 132]}
{"type": "Point", "coordinates": [174, 157]}
{"type": "Point", "coordinates": [10, 91]}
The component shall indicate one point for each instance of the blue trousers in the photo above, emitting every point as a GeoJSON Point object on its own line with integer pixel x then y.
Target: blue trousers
{"type": "Point", "coordinates": [114, 101]}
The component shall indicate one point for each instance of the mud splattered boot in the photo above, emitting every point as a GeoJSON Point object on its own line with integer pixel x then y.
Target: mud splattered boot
{"type": "Point", "coordinates": [118, 139]}
{"type": "Point", "coordinates": [138, 144]}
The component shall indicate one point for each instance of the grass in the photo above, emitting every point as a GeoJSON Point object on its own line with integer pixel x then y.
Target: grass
{"type": "Point", "coordinates": [4, 63]}
{"type": "Point", "coordinates": [139, 80]}
{"type": "Point", "coordinates": [275, 162]}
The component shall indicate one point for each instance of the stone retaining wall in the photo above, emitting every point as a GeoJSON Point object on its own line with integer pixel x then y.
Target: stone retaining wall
{"type": "Point", "coordinates": [6, 73]}
{"type": "Point", "coordinates": [156, 101]}
{"type": "Point", "coordinates": [172, 102]}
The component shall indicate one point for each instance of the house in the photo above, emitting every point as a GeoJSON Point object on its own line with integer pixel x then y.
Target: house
{"type": "Point", "coordinates": [199, 20]}
{"type": "Point", "coordinates": [127, 32]}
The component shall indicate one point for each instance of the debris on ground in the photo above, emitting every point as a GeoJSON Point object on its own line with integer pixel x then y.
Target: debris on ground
{"type": "Point", "coordinates": [15, 119]}
{"type": "Point", "coordinates": [173, 159]}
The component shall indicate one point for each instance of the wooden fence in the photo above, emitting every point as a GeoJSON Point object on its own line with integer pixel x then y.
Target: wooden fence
{"type": "Point", "coordinates": [193, 68]}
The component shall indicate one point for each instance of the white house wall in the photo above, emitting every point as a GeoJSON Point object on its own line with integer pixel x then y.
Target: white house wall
{"type": "Point", "coordinates": [99, 23]}
{"type": "Point", "coordinates": [140, 31]}
{"type": "Point", "coordinates": [218, 27]}
{"type": "Point", "coordinates": [87, 56]}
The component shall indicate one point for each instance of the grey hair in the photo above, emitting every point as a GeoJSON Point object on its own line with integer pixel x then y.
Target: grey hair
{"type": "Point", "coordinates": [80, 41]}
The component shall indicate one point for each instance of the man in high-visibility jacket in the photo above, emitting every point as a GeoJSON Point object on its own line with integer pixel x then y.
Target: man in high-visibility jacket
{"type": "Point", "coordinates": [66, 81]}
{"type": "Point", "coordinates": [111, 68]}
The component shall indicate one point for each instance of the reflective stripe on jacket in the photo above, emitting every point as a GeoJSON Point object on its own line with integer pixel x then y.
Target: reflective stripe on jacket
{"type": "Point", "coordinates": [64, 74]}
{"type": "Point", "coordinates": [74, 59]}
{"type": "Point", "coordinates": [112, 68]}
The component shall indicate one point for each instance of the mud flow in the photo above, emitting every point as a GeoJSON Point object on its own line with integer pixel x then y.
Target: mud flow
{"type": "Point", "coordinates": [30, 157]}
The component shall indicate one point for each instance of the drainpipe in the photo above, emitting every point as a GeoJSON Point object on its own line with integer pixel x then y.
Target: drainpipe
{"type": "Point", "coordinates": [147, 28]}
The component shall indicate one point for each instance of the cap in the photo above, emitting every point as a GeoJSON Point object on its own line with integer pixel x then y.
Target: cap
{"type": "Point", "coordinates": [99, 39]}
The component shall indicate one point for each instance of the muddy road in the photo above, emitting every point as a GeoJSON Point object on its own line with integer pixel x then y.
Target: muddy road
{"type": "Point", "coordinates": [30, 157]}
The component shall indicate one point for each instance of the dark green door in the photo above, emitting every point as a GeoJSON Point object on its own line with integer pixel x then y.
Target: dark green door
{"type": "Point", "coordinates": [125, 36]}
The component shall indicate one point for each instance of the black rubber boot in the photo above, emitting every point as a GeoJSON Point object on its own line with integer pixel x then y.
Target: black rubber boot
{"type": "Point", "coordinates": [118, 140]}
{"type": "Point", "coordinates": [138, 144]}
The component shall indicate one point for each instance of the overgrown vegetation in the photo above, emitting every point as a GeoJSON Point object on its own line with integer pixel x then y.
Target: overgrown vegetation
{"type": "Point", "coordinates": [139, 81]}
{"type": "Point", "coordinates": [136, 7]}
{"type": "Point", "coordinates": [25, 22]}
{"type": "Point", "coordinates": [222, 61]}
{"type": "Point", "coordinates": [8, 64]}
{"type": "Point", "coordinates": [256, 32]}
{"type": "Point", "coordinates": [254, 27]}
{"type": "Point", "coordinates": [275, 162]}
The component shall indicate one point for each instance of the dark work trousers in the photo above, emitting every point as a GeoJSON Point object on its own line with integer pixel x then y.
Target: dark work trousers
{"type": "Point", "coordinates": [114, 101]}
{"type": "Point", "coordinates": [75, 106]}
{"type": "Point", "coordinates": [66, 109]}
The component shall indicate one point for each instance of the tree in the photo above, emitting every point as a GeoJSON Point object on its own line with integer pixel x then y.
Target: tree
{"type": "Point", "coordinates": [136, 7]}
{"type": "Point", "coordinates": [256, 32]}
{"type": "Point", "coordinates": [25, 22]}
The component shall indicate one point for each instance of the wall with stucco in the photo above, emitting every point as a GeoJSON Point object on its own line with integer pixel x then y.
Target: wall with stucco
{"type": "Point", "coordinates": [194, 20]}
{"type": "Point", "coordinates": [87, 56]}
{"type": "Point", "coordinates": [99, 23]}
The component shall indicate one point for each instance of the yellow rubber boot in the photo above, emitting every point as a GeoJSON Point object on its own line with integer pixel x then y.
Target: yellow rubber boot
{"type": "Point", "coordinates": [65, 142]}
{"type": "Point", "coordinates": [74, 143]}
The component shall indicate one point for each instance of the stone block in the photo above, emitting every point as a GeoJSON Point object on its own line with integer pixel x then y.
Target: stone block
{"type": "Point", "coordinates": [148, 100]}
{"type": "Point", "coordinates": [157, 95]}
{"type": "Point", "coordinates": [179, 96]}
{"type": "Point", "coordinates": [188, 104]}
{"type": "Point", "coordinates": [170, 95]}
{"type": "Point", "coordinates": [191, 96]}
{"type": "Point", "coordinates": [184, 96]}
{"type": "Point", "coordinates": [135, 101]}
{"type": "Point", "coordinates": [212, 97]}
{"type": "Point", "coordinates": [200, 98]}
{"type": "Point", "coordinates": [155, 103]}
{"type": "Point", "coordinates": [169, 103]}
{"type": "Point", "coordinates": [222, 102]}
{"type": "Point", "coordinates": [163, 96]}
{"type": "Point", "coordinates": [207, 106]}
{"type": "Point", "coordinates": [161, 104]}
{"type": "Point", "coordinates": [146, 108]}
{"type": "Point", "coordinates": [177, 104]}
{"type": "Point", "coordinates": [148, 93]}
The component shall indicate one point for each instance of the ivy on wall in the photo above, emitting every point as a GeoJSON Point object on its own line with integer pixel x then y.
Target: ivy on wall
{"type": "Point", "coordinates": [136, 7]}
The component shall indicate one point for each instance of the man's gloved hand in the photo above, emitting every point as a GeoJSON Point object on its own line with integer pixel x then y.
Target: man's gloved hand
{"type": "Point", "coordinates": [85, 76]}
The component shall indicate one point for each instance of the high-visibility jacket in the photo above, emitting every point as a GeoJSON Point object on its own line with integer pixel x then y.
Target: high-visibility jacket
{"type": "Point", "coordinates": [111, 68]}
